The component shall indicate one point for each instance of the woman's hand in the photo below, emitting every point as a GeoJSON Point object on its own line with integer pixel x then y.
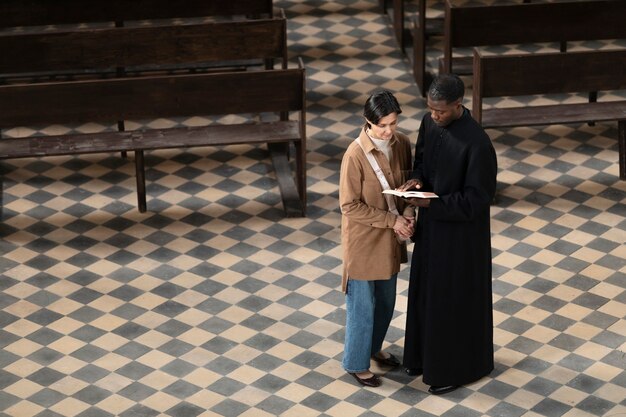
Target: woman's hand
{"type": "Point", "coordinates": [404, 226]}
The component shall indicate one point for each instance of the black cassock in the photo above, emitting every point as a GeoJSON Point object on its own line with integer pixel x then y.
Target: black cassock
{"type": "Point", "coordinates": [449, 328]}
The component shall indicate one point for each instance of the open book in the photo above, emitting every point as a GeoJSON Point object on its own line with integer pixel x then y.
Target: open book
{"type": "Point", "coordinates": [411, 194]}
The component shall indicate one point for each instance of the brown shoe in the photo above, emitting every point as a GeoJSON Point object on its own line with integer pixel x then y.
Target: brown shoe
{"type": "Point", "coordinates": [373, 381]}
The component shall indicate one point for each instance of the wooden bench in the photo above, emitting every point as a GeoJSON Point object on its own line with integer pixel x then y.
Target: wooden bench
{"type": "Point", "coordinates": [412, 41]}
{"type": "Point", "coordinates": [504, 24]}
{"type": "Point", "coordinates": [428, 26]}
{"type": "Point", "coordinates": [31, 15]}
{"type": "Point", "coordinates": [17, 13]}
{"type": "Point", "coordinates": [551, 73]}
{"type": "Point", "coordinates": [423, 26]}
{"type": "Point", "coordinates": [102, 51]}
{"type": "Point", "coordinates": [54, 101]}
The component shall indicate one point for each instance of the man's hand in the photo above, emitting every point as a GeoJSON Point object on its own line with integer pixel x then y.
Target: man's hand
{"type": "Point", "coordinates": [409, 185]}
{"type": "Point", "coordinates": [419, 202]}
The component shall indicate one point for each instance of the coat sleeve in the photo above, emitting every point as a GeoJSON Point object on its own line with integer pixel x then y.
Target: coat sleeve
{"type": "Point", "coordinates": [478, 188]}
{"type": "Point", "coordinates": [407, 210]}
{"type": "Point", "coordinates": [417, 173]}
{"type": "Point", "coordinates": [351, 196]}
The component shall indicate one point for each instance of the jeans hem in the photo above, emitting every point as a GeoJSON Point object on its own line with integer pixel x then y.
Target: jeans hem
{"type": "Point", "coordinates": [355, 372]}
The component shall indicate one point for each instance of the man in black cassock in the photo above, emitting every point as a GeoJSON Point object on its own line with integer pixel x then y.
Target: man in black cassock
{"type": "Point", "coordinates": [449, 328]}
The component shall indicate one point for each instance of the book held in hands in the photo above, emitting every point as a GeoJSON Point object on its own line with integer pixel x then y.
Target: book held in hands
{"type": "Point", "coordinates": [411, 194]}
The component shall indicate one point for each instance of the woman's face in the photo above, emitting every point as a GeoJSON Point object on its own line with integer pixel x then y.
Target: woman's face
{"type": "Point", "coordinates": [385, 128]}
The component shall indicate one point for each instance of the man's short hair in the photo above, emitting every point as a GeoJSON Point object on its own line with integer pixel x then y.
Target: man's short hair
{"type": "Point", "coordinates": [448, 87]}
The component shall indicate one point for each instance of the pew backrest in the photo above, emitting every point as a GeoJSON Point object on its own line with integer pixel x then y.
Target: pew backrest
{"type": "Point", "coordinates": [100, 49]}
{"type": "Point", "coordinates": [19, 13]}
{"type": "Point", "coordinates": [502, 24]}
{"type": "Point", "coordinates": [545, 73]}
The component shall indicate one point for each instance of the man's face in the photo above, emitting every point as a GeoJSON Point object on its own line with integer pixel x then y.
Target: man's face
{"type": "Point", "coordinates": [444, 113]}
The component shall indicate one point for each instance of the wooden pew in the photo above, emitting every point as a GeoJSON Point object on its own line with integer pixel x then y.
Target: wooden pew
{"type": "Point", "coordinates": [426, 26]}
{"type": "Point", "coordinates": [31, 14]}
{"type": "Point", "coordinates": [502, 24]}
{"type": "Point", "coordinates": [96, 99]}
{"type": "Point", "coordinates": [139, 49]}
{"type": "Point", "coordinates": [551, 73]}
{"type": "Point", "coordinates": [18, 13]}
{"type": "Point", "coordinates": [412, 41]}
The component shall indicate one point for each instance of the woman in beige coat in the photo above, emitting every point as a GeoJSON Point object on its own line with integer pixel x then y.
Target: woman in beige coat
{"type": "Point", "coordinates": [373, 228]}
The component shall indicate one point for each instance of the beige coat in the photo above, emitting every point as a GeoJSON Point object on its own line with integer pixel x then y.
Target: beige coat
{"type": "Point", "coordinates": [370, 248]}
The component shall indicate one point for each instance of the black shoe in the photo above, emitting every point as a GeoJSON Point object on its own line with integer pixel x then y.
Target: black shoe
{"type": "Point", "coordinates": [390, 361]}
{"type": "Point", "coordinates": [435, 390]}
{"type": "Point", "coordinates": [372, 381]}
{"type": "Point", "coordinates": [413, 371]}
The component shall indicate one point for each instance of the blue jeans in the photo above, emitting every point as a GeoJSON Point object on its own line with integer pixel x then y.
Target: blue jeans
{"type": "Point", "coordinates": [369, 310]}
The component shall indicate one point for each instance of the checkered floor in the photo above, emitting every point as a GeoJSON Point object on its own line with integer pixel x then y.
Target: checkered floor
{"type": "Point", "coordinates": [214, 304]}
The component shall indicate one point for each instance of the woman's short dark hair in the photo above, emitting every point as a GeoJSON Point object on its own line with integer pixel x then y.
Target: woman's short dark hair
{"type": "Point", "coordinates": [448, 87]}
{"type": "Point", "coordinates": [380, 104]}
